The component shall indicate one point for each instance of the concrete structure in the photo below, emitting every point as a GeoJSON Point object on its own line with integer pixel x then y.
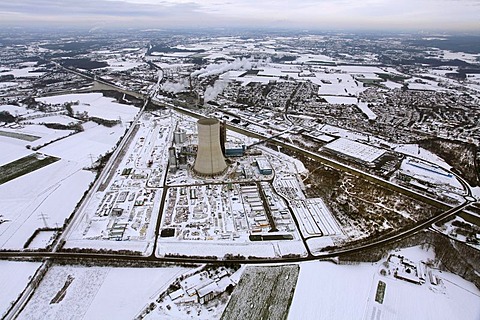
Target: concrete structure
{"type": "Point", "coordinates": [172, 157]}
{"type": "Point", "coordinates": [179, 136]}
{"type": "Point", "coordinates": [210, 160]}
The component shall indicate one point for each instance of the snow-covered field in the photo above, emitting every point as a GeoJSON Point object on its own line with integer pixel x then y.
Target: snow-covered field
{"type": "Point", "coordinates": [430, 173]}
{"type": "Point", "coordinates": [53, 191]}
{"type": "Point", "coordinates": [337, 84]}
{"type": "Point", "coordinates": [329, 291]}
{"type": "Point", "coordinates": [97, 292]}
{"type": "Point", "coordinates": [41, 134]}
{"type": "Point", "coordinates": [61, 119]}
{"type": "Point", "coordinates": [14, 277]}
{"type": "Point", "coordinates": [120, 65]}
{"type": "Point", "coordinates": [96, 105]}
{"type": "Point", "coordinates": [86, 146]}
{"type": "Point", "coordinates": [15, 110]}
{"type": "Point", "coordinates": [28, 72]}
{"type": "Point", "coordinates": [44, 197]}
{"type": "Point", "coordinates": [11, 150]}
{"type": "Point", "coordinates": [363, 106]}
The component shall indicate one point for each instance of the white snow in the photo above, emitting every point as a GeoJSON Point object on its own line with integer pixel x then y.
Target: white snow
{"type": "Point", "coordinates": [28, 72]}
{"type": "Point", "coordinates": [340, 99]}
{"type": "Point", "coordinates": [429, 173]}
{"type": "Point", "coordinates": [366, 110]}
{"type": "Point", "coordinates": [11, 150]}
{"type": "Point", "coordinates": [120, 65]}
{"type": "Point", "coordinates": [392, 85]}
{"type": "Point", "coordinates": [219, 249]}
{"type": "Point", "coordinates": [96, 105]}
{"type": "Point", "coordinates": [98, 292]}
{"type": "Point", "coordinates": [363, 106]}
{"type": "Point", "coordinates": [60, 119]}
{"type": "Point", "coordinates": [86, 146]}
{"type": "Point", "coordinates": [418, 152]}
{"type": "Point", "coordinates": [51, 195]}
{"type": "Point", "coordinates": [328, 291]}
{"type": "Point", "coordinates": [45, 134]}
{"type": "Point", "coordinates": [15, 110]}
{"type": "Point", "coordinates": [476, 192]}
{"type": "Point", "coordinates": [14, 277]}
{"type": "Point", "coordinates": [337, 84]}
{"type": "Point", "coordinates": [8, 84]}
{"type": "Point", "coordinates": [355, 149]}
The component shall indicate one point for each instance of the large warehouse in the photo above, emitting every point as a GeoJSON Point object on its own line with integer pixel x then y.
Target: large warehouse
{"type": "Point", "coordinates": [355, 150]}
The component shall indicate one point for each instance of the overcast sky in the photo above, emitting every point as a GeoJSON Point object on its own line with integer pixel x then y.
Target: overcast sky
{"type": "Point", "coordinates": [454, 15]}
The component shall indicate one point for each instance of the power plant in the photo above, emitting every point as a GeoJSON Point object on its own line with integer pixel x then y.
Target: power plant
{"type": "Point", "coordinates": [210, 160]}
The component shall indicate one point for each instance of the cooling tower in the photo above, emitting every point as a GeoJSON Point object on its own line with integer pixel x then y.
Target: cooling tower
{"type": "Point", "coordinates": [209, 159]}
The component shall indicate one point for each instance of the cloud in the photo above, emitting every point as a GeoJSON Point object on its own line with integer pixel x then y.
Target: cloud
{"type": "Point", "coordinates": [324, 14]}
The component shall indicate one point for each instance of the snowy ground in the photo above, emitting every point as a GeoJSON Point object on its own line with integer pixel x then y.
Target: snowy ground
{"type": "Point", "coordinates": [85, 147]}
{"type": "Point", "coordinates": [11, 150]}
{"type": "Point", "coordinates": [328, 291]}
{"type": "Point", "coordinates": [431, 174]}
{"type": "Point", "coordinates": [96, 105]}
{"type": "Point", "coordinates": [15, 110]}
{"type": "Point", "coordinates": [52, 194]}
{"type": "Point", "coordinates": [61, 119]}
{"type": "Point", "coordinates": [97, 292]}
{"type": "Point", "coordinates": [14, 277]}
{"type": "Point", "coordinates": [28, 72]}
{"type": "Point", "coordinates": [355, 149]}
{"type": "Point", "coordinates": [39, 133]}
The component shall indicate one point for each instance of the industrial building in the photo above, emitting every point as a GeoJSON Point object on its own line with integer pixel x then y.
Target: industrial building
{"type": "Point", "coordinates": [235, 151]}
{"type": "Point", "coordinates": [264, 166]}
{"type": "Point", "coordinates": [355, 151]}
{"type": "Point", "coordinates": [209, 160]}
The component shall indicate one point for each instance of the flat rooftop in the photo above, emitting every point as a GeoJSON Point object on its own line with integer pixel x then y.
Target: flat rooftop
{"type": "Point", "coordinates": [355, 150]}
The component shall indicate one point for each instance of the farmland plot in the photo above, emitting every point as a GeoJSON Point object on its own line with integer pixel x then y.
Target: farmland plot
{"type": "Point", "coordinates": [23, 166]}
{"type": "Point", "coordinates": [263, 293]}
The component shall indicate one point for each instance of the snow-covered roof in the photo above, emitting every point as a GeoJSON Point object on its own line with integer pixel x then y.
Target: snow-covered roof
{"type": "Point", "coordinates": [355, 149]}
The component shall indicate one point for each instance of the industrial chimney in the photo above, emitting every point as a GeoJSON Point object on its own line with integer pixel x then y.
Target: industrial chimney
{"type": "Point", "coordinates": [210, 160]}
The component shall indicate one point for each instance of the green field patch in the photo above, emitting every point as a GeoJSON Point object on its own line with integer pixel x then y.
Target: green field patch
{"type": "Point", "coordinates": [263, 293]}
{"type": "Point", "coordinates": [24, 165]}
{"type": "Point", "coordinates": [380, 295]}
{"type": "Point", "coordinates": [20, 136]}
{"type": "Point", "coordinates": [470, 218]}
{"type": "Point", "coordinates": [126, 171]}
